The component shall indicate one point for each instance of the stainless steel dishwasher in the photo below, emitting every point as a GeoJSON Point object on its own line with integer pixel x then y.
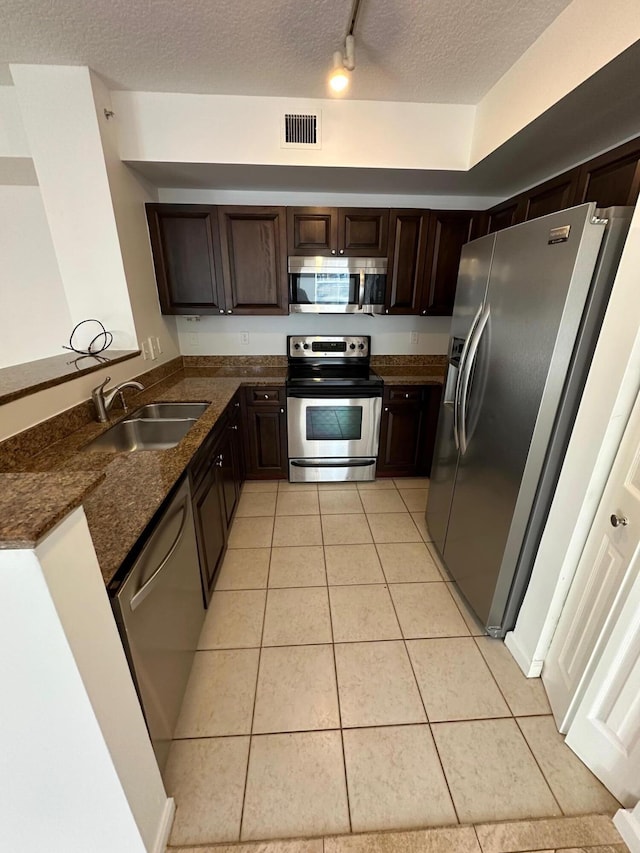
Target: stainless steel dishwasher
{"type": "Point", "coordinates": [159, 610]}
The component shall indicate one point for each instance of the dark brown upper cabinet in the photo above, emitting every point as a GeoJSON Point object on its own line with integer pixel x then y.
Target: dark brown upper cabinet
{"type": "Point", "coordinates": [448, 232]}
{"type": "Point", "coordinates": [327, 231]}
{"type": "Point", "coordinates": [505, 215]}
{"type": "Point", "coordinates": [549, 197]}
{"type": "Point", "coordinates": [253, 243]}
{"type": "Point", "coordinates": [612, 178]}
{"type": "Point", "coordinates": [408, 235]}
{"type": "Point", "coordinates": [185, 247]}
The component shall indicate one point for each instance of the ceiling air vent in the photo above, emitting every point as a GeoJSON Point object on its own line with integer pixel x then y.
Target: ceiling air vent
{"type": "Point", "coordinates": [300, 130]}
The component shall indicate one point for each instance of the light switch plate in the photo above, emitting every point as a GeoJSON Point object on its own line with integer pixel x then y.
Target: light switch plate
{"type": "Point", "coordinates": [244, 339]}
{"type": "Point", "coordinates": [413, 338]}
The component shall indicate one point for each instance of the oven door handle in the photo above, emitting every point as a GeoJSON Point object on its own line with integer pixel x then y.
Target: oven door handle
{"type": "Point", "coordinates": [332, 463]}
{"type": "Point", "coordinates": [334, 394]}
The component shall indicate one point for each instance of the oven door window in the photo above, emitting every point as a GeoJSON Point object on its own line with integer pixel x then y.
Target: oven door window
{"type": "Point", "coordinates": [335, 288]}
{"type": "Point", "coordinates": [334, 423]}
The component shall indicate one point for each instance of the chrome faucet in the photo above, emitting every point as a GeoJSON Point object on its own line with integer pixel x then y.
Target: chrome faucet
{"type": "Point", "coordinates": [103, 400]}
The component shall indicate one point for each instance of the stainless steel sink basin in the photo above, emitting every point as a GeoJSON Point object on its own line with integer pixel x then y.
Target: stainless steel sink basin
{"type": "Point", "coordinates": [173, 411]}
{"type": "Point", "coordinates": [130, 435]}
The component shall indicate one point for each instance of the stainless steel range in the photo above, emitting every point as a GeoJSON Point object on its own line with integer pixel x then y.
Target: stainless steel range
{"type": "Point", "coordinates": [334, 403]}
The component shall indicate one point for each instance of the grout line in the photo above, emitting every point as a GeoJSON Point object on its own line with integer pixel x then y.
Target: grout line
{"type": "Point", "coordinates": [535, 758]}
{"type": "Point", "coordinates": [349, 643]}
{"type": "Point", "coordinates": [493, 675]}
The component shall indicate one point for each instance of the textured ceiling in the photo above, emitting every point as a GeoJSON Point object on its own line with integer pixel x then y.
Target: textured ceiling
{"type": "Point", "coordinates": [441, 51]}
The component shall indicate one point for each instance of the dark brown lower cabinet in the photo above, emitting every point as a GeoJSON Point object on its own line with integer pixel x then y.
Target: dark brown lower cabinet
{"type": "Point", "coordinates": [216, 479]}
{"type": "Point", "coordinates": [265, 433]}
{"type": "Point", "coordinates": [408, 430]}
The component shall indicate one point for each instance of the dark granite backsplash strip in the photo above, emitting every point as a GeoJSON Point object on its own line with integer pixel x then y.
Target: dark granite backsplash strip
{"type": "Point", "coordinates": [20, 380]}
{"type": "Point", "coordinates": [235, 360]}
{"type": "Point", "coordinates": [409, 360]}
{"type": "Point", "coordinates": [20, 448]}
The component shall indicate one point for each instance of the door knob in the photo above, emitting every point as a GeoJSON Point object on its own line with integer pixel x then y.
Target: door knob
{"type": "Point", "coordinates": [618, 520]}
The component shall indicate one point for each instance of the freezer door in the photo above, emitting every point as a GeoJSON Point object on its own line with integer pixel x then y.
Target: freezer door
{"type": "Point", "coordinates": [510, 389]}
{"type": "Point", "coordinates": [475, 263]}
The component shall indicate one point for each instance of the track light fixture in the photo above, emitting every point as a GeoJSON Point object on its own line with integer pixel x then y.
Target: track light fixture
{"type": "Point", "coordinates": [344, 61]}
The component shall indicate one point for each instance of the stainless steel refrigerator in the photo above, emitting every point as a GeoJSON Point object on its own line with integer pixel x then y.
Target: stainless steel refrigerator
{"type": "Point", "coordinates": [529, 305]}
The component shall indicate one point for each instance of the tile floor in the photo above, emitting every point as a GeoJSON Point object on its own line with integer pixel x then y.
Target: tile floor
{"type": "Point", "coordinates": [342, 686]}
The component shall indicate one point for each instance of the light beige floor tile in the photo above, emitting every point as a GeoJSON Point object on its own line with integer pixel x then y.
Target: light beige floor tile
{"type": "Point", "coordinates": [421, 524]}
{"type": "Point", "coordinates": [520, 836]}
{"type": "Point", "coordinates": [338, 503]}
{"type": "Point", "coordinates": [459, 839]}
{"type": "Point", "coordinates": [414, 499]}
{"type": "Point", "coordinates": [362, 613]}
{"type": "Point", "coordinates": [244, 568]}
{"type": "Point", "coordinates": [382, 500]}
{"type": "Point", "coordinates": [526, 696]}
{"type": "Point", "coordinates": [297, 530]}
{"type": "Point", "coordinates": [491, 772]}
{"type": "Point", "coordinates": [206, 778]}
{"type": "Point", "coordinates": [260, 486]}
{"type": "Point", "coordinates": [437, 559]}
{"type": "Point", "coordinates": [286, 486]}
{"type": "Point", "coordinates": [220, 693]}
{"type": "Point", "coordinates": [297, 617]}
{"type": "Point", "coordinates": [353, 564]}
{"type": "Point", "coordinates": [351, 529]}
{"type": "Point", "coordinates": [395, 780]}
{"type": "Point", "coordinates": [476, 628]}
{"type": "Point", "coordinates": [297, 503]}
{"type": "Point", "coordinates": [575, 788]}
{"type": "Point", "coordinates": [296, 690]}
{"type": "Point", "coordinates": [297, 566]}
{"type": "Point", "coordinates": [407, 562]}
{"type": "Point", "coordinates": [233, 620]}
{"type": "Point", "coordinates": [255, 504]}
{"type": "Point", "coordinates": [376, 685]}
{"type": "Point", "coordinates": [454, 680]}
{"type": "Point", "coordinates": [300, 845]}
{"type": "Point", "coordinates": [393, 527]}
{"type": "Point", "coordinates": [336, 486]}
{"type": "Point", "coordinates": [295, 786]}
{"type": "Point", "coordinates": [251, 532]}
{"type": "Point", "coordinates": [383, 483]}
{"type": "Point", "coordinates": [412, 482]}
{"type": "Point", "coordinates": [427, 610]}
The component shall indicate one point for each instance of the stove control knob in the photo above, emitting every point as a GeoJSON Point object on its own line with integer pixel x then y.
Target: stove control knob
{"type": "Point", "coordinates": [296, 346]}
{"type": "Point", "coordinates": [305, 346]}
{"type": "Point", "coordinates": [352, 346]}
{"type": "Point", "coordinates": [360, 345]}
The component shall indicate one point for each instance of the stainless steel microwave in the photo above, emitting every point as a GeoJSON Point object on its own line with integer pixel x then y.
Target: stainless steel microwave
{"type": "Point", "coordinates": [319, 285]}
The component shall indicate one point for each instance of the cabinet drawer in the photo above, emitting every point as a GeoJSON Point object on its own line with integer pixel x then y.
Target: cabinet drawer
{"type": "Point", "coordinates": [255, 396]}
{"type": "Point", "coordinates": [403, 394]}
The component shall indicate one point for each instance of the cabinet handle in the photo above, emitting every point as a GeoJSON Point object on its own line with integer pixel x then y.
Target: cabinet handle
{"type": "Point", "coordinates": [282, 411]}
{"type": "Point", "coordinates": [266, 396]}
{"type": "Point", "coordinates": [406, 396]}
{"type": "Point", "coordinates": [424, 311]}
{"type": "Point", "coordinates": [333, 251]}
{"type": "Point", "coordinates": [234, 427]}
{"type": "Point", "coordinates": [229, 311]}
{"type": "Point", "coordinates": [342, 251]}
{"type": "Point", "coordinates": [219, 461]}
{"type": "Point", "coordinates": [237, 405]}
{"type": "Point", "coordinates": [222, 310]}
{"type": "Point", "coordinates": [386, 310]}
{"type": "Point", "coordinates": [386, 408]}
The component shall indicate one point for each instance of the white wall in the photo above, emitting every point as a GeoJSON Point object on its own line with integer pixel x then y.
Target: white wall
{"type": "Point", "coordinates": [583, 38]}
{"type": "Point", "coordinates": [13, 139]}
{"type": "Point", "coordinates": [77, 770]}
{"type": "Point", "coordinates": [161, 126]}
{"type": "Point", "coordinates": [34, 318]}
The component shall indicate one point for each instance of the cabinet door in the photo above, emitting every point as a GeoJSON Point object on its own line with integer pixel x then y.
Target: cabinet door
{"type": "Point", "coordinates": [253, 245]}
{"type": "Point", "coordinates": [612, 178]}
{"type": "Point", "coordinates": [184, 243]}
{"type": "Point", "coordinates": [408, 233]}
{"type": "Point", "coordinates": [506, 214]}
{"type": "Point", "coordinates": [400, 434]}
{"type": "Point", "coordinates": [432, 399]}
{"type": "Point", "coordinates": [265, 441]}
{"type": "Point", "coordinates": [312, 230]}
{"type": "Point", "coordinates": [363, 232]}
{"type": "Point", "coordinates": [210, 523]}
{"type": "Point", "coordinates": [448, 232]}
{"type": "Point", "coordinates": [553, 195]}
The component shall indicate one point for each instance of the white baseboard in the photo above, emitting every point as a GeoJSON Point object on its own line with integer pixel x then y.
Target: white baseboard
{"type": "Point", "coordinates": [164, 830]}
{"type": "Point", "coordinates": [628, 825]}
{"type": "Point", "coordinates": [531, 669]}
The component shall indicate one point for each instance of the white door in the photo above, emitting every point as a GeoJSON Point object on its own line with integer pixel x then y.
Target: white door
{"type": "Point", "coordinates": [602, 582]}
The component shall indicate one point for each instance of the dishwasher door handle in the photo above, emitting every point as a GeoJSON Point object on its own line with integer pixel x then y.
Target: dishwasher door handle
{"type": "Point", "coordinates": [148, 585]}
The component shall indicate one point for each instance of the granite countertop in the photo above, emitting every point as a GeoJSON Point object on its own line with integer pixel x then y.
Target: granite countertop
{"type": "Point", "coordinates": [121, 492]}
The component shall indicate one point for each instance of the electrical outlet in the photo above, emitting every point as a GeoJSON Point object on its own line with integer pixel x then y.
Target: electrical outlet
{"type": "Point", "coordinates": [145, 350]}
{"type": "Point", "coordinates": [193, 342]}
{"type": "Point", "coordinates": [158, 345]}
{"type": "Point", "coordinates": [152, 350]}
{"type": "Point", "coordinates": [413, 338]}
{"type": "Point", "coordinates": [244, 339]}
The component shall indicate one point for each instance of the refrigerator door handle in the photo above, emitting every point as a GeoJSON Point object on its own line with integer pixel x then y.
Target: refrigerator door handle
{"type": "Point", "coordinates": [461, 368]}
{"type": "Point", "coordinates": [476, 337]}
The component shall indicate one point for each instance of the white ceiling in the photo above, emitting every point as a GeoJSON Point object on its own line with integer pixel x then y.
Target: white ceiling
{"type": "Point", "coordinates": [440, 51]}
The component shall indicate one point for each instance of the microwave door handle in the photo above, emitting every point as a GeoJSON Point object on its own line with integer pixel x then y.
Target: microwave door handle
{"type": "Point", "coordinates": [361, 291]}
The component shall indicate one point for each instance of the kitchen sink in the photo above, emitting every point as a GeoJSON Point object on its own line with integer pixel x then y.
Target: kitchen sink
{"type": "Point", "coordinates": [141, 434]}
{"type": "Point", "coordinates": [172, 411]}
